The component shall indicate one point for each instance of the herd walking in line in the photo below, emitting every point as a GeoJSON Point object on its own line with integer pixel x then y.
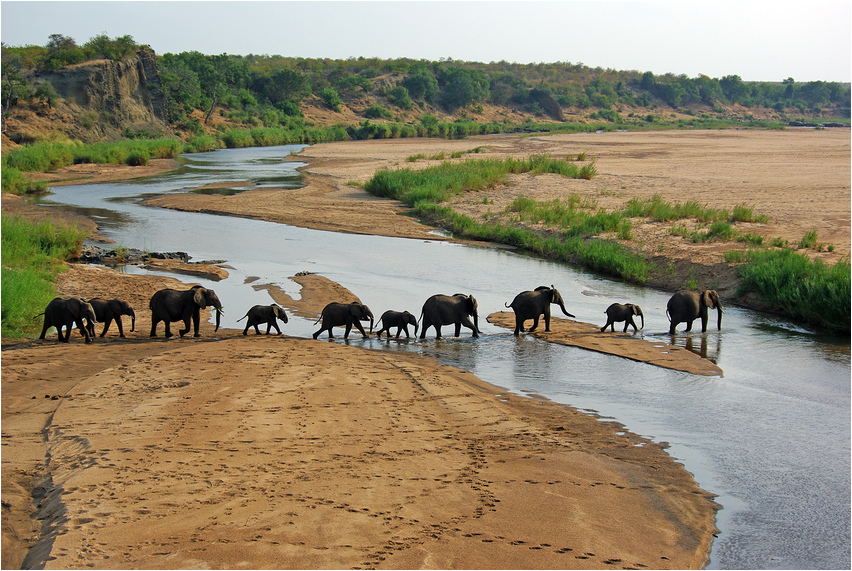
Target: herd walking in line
{"type": "Point", "coordinates": [171, 305]}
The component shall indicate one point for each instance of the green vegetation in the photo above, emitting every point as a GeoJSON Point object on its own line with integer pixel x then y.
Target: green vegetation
{"type": "Point", "coordinates": [42, 157]}
{"type": "Point", "coordinates": [32, 256]}
{"type": "Point", "coordinates": [802, 288]}
{"type": "Point", "coordinates": [424, 190]}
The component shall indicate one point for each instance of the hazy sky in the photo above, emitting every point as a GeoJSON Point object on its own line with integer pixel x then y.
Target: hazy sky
{"type": "Point", "coordinates": [757, 40]}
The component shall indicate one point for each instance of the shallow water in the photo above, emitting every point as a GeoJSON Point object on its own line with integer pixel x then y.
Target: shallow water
{"type": "Point", "coordinates": [771, 437]}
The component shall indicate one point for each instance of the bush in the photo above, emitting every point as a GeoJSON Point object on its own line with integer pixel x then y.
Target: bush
{"type": "Point", "coordinates": [377, 112]}
{"type": "Point", "coordinates": [137, 159]}
{"type": "Point", "coordinates": [331, 99]}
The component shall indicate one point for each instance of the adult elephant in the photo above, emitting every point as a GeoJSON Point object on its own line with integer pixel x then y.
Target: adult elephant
{"type": "Point", "coordinates": [618, 312]}
{"type": "Point", "coordinates": [533, 304]}
{"type": "Point", "coordinates": [108, 310]}
{"type": "Point", "coordinates": [456, 310]}
{"type": "Point", "coordinates": [344, 314]}
{"type": "Point", "coordinates": [169, 305]}
{"type": "Point", "coordinates": [67, 312]}
{"type": "Point", "coordinates": [399, 319]}
{"type": "Point", "coordinates": [264, 314]}
{"type": "Point", "coordinates": [686, 306]}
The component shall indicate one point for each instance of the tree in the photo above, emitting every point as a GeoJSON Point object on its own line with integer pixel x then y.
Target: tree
{"type": "Point", "coordinates": [421, 83]}
{"type": "Point", "coordinates": [463, 87]}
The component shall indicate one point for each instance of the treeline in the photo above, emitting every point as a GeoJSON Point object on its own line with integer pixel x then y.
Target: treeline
{"type": "Point", "coordinates": [270, 88]}
{"type": "Point", "coordinates": [266, 91]}
{"type": "Point", "coordinates": [61, 51]}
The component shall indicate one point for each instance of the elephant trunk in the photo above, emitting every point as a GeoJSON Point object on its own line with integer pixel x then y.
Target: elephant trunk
{"type": "Point", "coordinates": [562, 307]}
{"type": "Point", "coordinates": [218, 318]}
{"type": "Point", "coordinates": [132, 321]}
{"type": "Point", "coordinates": [476, 322]}
{"type": "Point", "coordinates": [719, 318]}
{"type": "Point", "coordinates": [642, 316]}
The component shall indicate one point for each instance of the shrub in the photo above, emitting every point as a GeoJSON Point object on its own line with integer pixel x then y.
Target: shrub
{"type": "Point", "coordinates": [377, 112]}
{"type": "Point", "coordinates": [331, 99]}
{"type": "Point", "coordinates": [137, 159]}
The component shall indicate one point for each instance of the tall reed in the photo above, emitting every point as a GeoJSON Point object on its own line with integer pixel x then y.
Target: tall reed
{"type": "Point", "coordinates": [32, 256]}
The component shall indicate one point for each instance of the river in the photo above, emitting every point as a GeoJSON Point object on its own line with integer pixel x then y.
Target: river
{"type": "Point", "coordinates": [771, 437]}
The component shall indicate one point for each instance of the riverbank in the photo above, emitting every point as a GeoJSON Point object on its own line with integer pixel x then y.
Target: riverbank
{"type": "Point", "coordinates": [798, 178]}
{"type": "Point", "coordinates": [119, 412]}
{"type": "Point", "coordinates": [283, 452]}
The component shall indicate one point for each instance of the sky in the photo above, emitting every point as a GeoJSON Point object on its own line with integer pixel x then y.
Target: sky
{"type": "Point", "coordinates": [758, 40]}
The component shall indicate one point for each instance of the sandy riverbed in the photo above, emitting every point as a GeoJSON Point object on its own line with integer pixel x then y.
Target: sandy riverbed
{"type": "Point", "coordinates": [270, 452]}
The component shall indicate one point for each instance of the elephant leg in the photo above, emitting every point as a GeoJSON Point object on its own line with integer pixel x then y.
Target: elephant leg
{"type": "Point", "coordinates": [245, 331]}
{"type": "Point", "coordinates": [361, 329]}
{"type": "Point", "coordinates": [672, 327]}
{"type": "Point", "coordinates": [186, 327]}
{"type": "Point", "coordinates": [458, 328]}
{"type": "Point", "coordinates": [120, 327]}
{"type": "Point", "coordinates": [535, 323]}
{"type": "Point", "coordinates": [107, 323]}
{"type": "Point", "coordinates": [467, 323]}
{"type": "Point", "coordinates": [154, 322]}
{"type": "Point", "coordinates": [44, 329]}
{"type": "Point", "coordinates": [689, 325]}
{"type": "Point", "coordinates": [519, 325]}
{"type": "Point", "coordinates": [704, 324]}
{"type": "Point", "coordinates": [168, 327]}
{"type": "Point", "coordinates": [83, 330]}
{"type": "Point", "coordinates": [275, 325]}
{"type": "Point", "coordinates": [547, 321]}
{"type": "Point", "coordinates": [256, 329]}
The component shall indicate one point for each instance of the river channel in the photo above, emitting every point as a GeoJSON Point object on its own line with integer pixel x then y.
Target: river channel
{"type": "Point", "coordinates": [771, 437]}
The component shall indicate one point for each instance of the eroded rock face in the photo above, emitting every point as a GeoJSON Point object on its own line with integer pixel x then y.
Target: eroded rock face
{"type": "Point", "coordinates": [121, 94]}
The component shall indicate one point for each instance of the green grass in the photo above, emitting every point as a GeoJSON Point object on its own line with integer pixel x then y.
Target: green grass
{"type": "Point", "coordinates": [805, 289]}
{"type": "Point", "coordinates": [32, 256]}
{"type": "Point", "coordinates": [424, 190]}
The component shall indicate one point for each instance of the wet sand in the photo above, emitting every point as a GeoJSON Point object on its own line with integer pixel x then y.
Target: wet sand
{"type": "Point", "coordinates": [270, 452]}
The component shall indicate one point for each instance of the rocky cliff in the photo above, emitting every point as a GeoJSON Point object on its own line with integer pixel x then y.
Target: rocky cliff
{"type": "Point", "coordinates": [98, 100]}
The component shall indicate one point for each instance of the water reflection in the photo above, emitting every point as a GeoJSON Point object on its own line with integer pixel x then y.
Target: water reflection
{"type": "Point", "coordinates": [699, 346]}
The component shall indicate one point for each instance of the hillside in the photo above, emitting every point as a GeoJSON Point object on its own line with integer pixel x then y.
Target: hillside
{"type": "Point", "coordinates": [55, 93]}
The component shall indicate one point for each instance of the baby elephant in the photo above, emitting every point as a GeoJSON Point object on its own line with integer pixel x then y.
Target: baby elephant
{"type": "Point", "coordinates": [399, 319]}
{"type": "Point", "coordinates": [622, 312]}
{"type": "Point", "coordinates": [264, 314]}
{"type": "Point", "coordinates": [108, 309]}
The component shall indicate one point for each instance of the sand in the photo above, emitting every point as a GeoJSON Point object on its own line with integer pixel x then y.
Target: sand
{"type": "Point", "coordinates": [270, 451]}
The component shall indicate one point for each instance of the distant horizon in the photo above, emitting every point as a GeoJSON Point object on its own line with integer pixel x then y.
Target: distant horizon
{"type": "Point", "coordinates": [754, 39]}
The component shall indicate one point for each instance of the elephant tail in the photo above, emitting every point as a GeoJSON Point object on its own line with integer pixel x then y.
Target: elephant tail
{"type": "Point", "coordinates": [668, 316]}
{"type": "Point", "coordinates": [506, 304]}
{"type": "Point", "coordinates": [243, 317]}
{"type": "Point", "coordinates": [39, 315]}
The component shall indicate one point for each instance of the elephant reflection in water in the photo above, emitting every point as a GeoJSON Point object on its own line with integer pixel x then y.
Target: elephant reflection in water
{"type": "Point", "coordinates": [701, 349]}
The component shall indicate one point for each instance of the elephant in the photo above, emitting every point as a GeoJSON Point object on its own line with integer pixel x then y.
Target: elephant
{"type": "Point", "coordinates": [264, 314]}
{"type": "Point", "coordinates": [622, 312]}
{"type": "Point", "coordinates": [339, 314]}
{"type": "Point", "coordinates": [169, 305]}
{"type": "Point", "coordinates": [399, 319]}
{"type": "Point", "coordinates": [455, 309]}
{"type": "Point", "coordinates": [107, 310]}
{"type": "Point", "coordinates": [686, 306]}
{"type": "Point", "coordinates": [67, 312]}
{"type": "Point", "coordinates": [532, 304]}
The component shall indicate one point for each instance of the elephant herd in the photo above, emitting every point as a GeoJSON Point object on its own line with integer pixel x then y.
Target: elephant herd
{"type": "Point", "coordinates": [170, 305]}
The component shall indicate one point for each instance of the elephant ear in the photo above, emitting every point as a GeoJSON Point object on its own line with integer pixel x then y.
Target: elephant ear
{"type": "Point", "coordinates": [198, 297]}
{"type": "Point", "coordinates": [707, 298]}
